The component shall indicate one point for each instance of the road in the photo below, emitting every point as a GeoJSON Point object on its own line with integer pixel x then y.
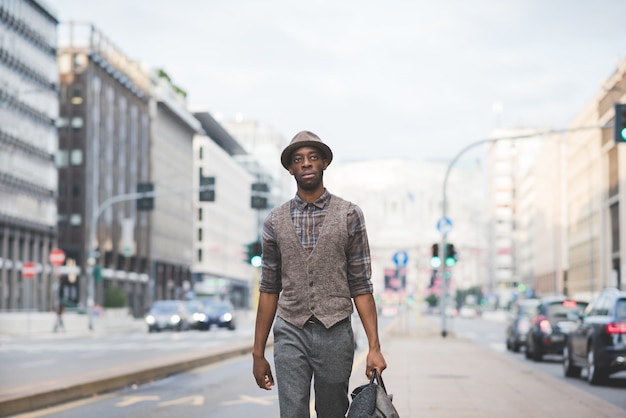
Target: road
{"type": "Point", "coordinates": [492, 334]}
{"type": "Point", "coordinates": [224, 389]}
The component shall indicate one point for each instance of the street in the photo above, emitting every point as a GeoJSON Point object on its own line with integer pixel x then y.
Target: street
{"type": "Point", "coordinates": [491, 334]}
{"type": "Point", "coordinates": [224, 389]}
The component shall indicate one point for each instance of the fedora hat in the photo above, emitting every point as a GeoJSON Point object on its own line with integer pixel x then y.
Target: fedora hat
{"type": "Point", "coordinates": [305, 139]}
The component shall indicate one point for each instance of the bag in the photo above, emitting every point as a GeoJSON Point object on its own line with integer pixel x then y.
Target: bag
{"type": "Point", "coordinates": [371, 400]}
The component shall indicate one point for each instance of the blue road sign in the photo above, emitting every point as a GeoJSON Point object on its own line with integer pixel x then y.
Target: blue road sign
{"type": "Point", "coordinates": [400, 258]}
{"type": "Point", "coordinates": [444, 225]}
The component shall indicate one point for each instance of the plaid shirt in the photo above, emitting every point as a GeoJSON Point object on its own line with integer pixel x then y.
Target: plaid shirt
{"type": "Point", "coordinates": [308, 219]}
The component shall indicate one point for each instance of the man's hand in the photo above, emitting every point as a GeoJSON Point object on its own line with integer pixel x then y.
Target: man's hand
{"type": "Point", "coordinates": [375, 360]}
{"type": "Point", "coordinates": [262, 373]}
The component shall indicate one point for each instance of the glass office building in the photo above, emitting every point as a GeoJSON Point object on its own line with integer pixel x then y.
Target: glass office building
{"type": "Point", "coordinates": [28, 144]}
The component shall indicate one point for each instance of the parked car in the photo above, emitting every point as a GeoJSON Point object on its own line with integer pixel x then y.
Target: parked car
{"type": "Point", "coordinates": [519, 323]}
{"type": "Point", "coordinates": [198, 319]}
{"type": "Point", "coordinates": [599, 342]}
{"type": "Point", "coordinates": [554, 319]}
{"type": "Point", "coordinates": [168, 314]}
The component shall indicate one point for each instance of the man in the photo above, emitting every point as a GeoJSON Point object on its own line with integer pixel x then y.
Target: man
{"type": "Point", "coordinates": [316, 262]}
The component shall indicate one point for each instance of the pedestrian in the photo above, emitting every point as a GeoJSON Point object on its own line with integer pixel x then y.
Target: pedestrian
{"type": "Point", "coordinates": [59, 325]}
{"type": "Point", "coordinates": [315, 264]}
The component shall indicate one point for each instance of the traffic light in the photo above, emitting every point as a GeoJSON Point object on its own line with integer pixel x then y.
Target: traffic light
{"type": "Point", "coordinates": [145, 203]}
{"type": "Point", "coordinates": [435, 261]}
{"type": "Point", "coordinates": [450, 255]}
{"type": "Point", "coordinates": [253, 253]}
{"type": "Point", "coordinates": [258, 199]}
{"type": "Point", "coordinates": [207, 189]}
{"type": "Point", "coordinates": [619, 126]}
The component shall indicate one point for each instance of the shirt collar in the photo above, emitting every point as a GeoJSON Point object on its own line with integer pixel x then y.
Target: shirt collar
{"type": "Point", "coordinates": [320, 203]}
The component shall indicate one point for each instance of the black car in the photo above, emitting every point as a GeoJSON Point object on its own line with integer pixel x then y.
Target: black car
{"type": "Point", "coordinates": [220, 313]}
{"type": "Point", "coordinates": [555, 317]}
{"type": "Point", "coordinates": [599, 342]}
{"type": "Point", "coordinates": [198, 318]}
{"type": "Point", "coordinates": [519, 323]}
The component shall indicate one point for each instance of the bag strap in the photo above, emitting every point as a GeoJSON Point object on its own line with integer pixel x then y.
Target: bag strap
{"type": "Point", "coordinates": [378, 379]}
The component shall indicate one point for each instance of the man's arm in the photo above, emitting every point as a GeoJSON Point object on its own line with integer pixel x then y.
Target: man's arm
{"type": "Point", "coordinates": [366, 307]}
{"type": "Point", "coordinates": [268, 303]}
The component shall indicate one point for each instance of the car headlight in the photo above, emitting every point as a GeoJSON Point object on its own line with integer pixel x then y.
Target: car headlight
{"type": "Point", "coordinates": [175, 319]}
{"type": "Point", "coordinates": [227, 317]}
{"type": "Point", "coordinates": [199, 317]}
{"type": "Point", "coordinates": [150, 320]}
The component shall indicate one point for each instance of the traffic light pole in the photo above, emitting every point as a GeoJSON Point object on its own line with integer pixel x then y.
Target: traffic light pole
{"type": "Point", "coordinates": [99, 210]}
{"type": "Point", "coordinates": [444, 205]}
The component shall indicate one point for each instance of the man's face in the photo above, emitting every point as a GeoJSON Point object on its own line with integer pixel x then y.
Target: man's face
{"type": "Point", "coordinates": [307, 166]}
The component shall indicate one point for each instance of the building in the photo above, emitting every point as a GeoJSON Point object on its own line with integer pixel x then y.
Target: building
{"type": "Point", "coordinates": [510, 155]}
{"type": "Point", "coordinates": [104, 153]}
{"type": "Point", "coordinates": [226, 223]}
{"type": "Point", "coordinates": [596, 181]}
{"type": "Point", "coordinates": [28, 143]}
{"type": "Point", "coordinates": [172, 175]}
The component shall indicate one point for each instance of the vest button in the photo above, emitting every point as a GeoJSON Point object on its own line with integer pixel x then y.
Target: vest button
{"type": "Point", "coordinates": [311, 284]}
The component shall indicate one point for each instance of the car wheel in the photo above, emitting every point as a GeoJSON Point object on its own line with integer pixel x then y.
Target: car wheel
{"type": "Point", "coordinates": [515, 347]}
{"type": "Point", "coordinates": [595, 374]}
{"type": "Point", "coordinates": [569, 370]}
{"type": "Point", "coordinates": [508, 344]}
{"type": "Point", "coordinates": [528, 352]}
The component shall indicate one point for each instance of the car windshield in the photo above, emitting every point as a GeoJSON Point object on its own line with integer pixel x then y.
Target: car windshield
{"type": "Point", "coordinates": [557, 311]}
{"type": "Point", "coordinates": [217, 306]}
{"type": "Point", "coordinates": [163, 308]}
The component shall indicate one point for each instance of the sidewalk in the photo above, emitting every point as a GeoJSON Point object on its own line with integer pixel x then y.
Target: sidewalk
{"type": "Point", "coordinates": [428, 375]}
{"type": "Point", "coordinates": [38, 325]}
{"type": "Point", "coordinates": [435, 377]}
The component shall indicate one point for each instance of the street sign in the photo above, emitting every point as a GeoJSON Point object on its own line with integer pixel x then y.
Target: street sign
{"type": "Point", "coordinates": [400, 258]}
{"type": "Point", "coordinates": [444, 225]}
{"type": "Point", "coordinates": [57, 257]}
{"type": "Point", "coordinates": [29, 270]}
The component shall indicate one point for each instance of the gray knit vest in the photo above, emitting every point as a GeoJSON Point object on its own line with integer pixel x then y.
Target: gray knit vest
{"type": "Point", "coordinates": [316, 283]}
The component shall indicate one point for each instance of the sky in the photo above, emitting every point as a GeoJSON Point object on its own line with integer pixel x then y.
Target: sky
{"type": "Point", "coordinates": [396, 79]}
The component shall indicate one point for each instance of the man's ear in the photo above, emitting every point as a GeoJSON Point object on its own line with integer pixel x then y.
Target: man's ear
{"type": "Point", "coordinates": [290, 171]}
{"type": "Point", "coordinates": [326, 162]}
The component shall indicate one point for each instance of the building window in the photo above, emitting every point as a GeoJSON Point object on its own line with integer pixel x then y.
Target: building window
{"type": "Point", "coordinates": [199, 255]}
{"type": "Point", "coordinates": [200, 152]}
{"type": "Point", "coordinates": [76, 190]}
{"type": "Point", "coordinates": [77, 96]}
{"type": "Point", "coordinates": [199, 214]}
{"type": "Point", "coordinates": [76, 157]}
{"type": "Point", "coordinates": [200, 234]}
{"type": "Point", "coordinates": [61, 158]}
{"type": "Point", "coordinates": [76, 219]}
{"type": "Point", "coordinates": [77, 123]}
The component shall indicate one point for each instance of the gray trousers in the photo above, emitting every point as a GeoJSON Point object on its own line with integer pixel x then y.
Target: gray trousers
{"type": "Point", "coordinates": [314, 352]}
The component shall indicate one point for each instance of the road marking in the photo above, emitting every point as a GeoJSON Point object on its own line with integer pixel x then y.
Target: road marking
{"type": "Point", "coordinates": [197, 400]}
{"type": "Point", "coordinates": [265, 400]}
{"type": "Point", "coordinates": [131, 400]}
{"type": "Point", "coordinates": [37, 363]}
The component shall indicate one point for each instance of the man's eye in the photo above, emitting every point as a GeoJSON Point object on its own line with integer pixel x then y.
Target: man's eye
{"type": "Point", "coordinates": [297, 160]}
{"type": "Point", "coordinates": [314, 157]}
